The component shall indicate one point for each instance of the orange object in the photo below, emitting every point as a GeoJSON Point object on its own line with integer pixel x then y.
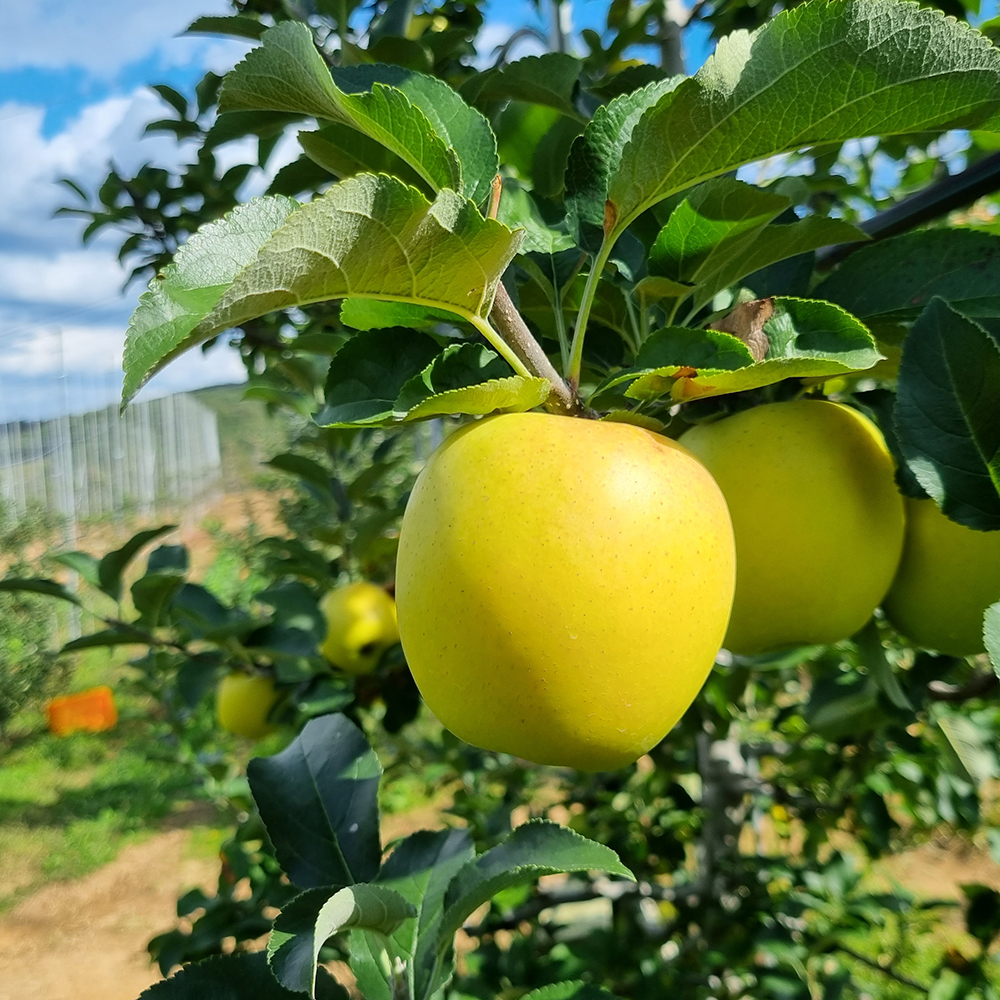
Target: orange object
{"type": "Point", "coordinates": [90, 711]}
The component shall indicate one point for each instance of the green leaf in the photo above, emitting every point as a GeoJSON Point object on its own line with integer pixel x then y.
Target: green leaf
{"type": "Point", "coordinates": [303, 467]}
{"type": "Point", "coordinates": [806, 339]}
{"type": "Point", "coordinates": [961, 266]}
{"type": "Point", "coordinates": [386, 376]}
{"type": "Point", "coordinates": [948, 414]}
{"type": "Point", "coordinates": [374, 237]}
{"type": "Point", "coordinates": [654, 288]}
{"type": "Point", "coordinates": [119, 635]}
{"type": "Point", "coordinates": [991, 635]}
{"type": "Point", "coordinates": [595, 156]}
{"type": "Point", "coordinates": [235, 977]}
{"type": "Point", "coordinates": [238, 27]}
{"type": "Point", "coordinates": [463, 129]}
{"type": "Point", "coordinates": [982, 917]}
{"type": "Point", "coordinates": [79, 562]}
{"type": "Point", "coordinates": [420, 869]}
{"type": "Point", "coordinates": [371, 966]}
{"type": "Point", "coordinates": [370, 314]}
{"type": "Point", "coordinates": [199, 611]}
{"type": "Point", "coordinates": [344, 152]}
{"type": "Point", "coordinates": [238, 124]}
{"type": "Point", "coordinates": [114, 564]}
{"type": "Point", "coordinates": [49, 588]}
{"type": "Point", "coordinates": [571, 990]}
{"type": "Point", "coordinates": [187, 289]}
{"type": "Point", "coordinates": [368, 237]}
{"type": "Point", "coordinates": [168, 559]}
{"type": "Point", "coordinates": [303, 175]}
{"type": "Point", "coordinates": [971, 743]}
{"type": "Point", "coordinates": [949, 985]}
{"type": "Point", "coordinates": [530, 851]}
{"type": "Point", "coordinates": [152, 593]}
{"type": "Point", "coordinates": [318, 801]}
{"type": "Point", "coordinates": [311, 919]}
{"type": "Point", "coordinates": [368, 374]}
{"type": "Point", "coordinates": [287, 73]}
{"type": "Point", "coordinates": [820, 73]}
{"type": "Point", "coordinates": [456, 367]}
{"type": "Point", "coordinates": [519, 211]}
{"type": "Point", "coordinates": [513, 394]}
{"type": "Point", "coordinates": [295, 606]}
{"type": "Point", "coordinates": [551, 79]}
{"type": "Point", "coordinates": [722, 232]}
{"type": "Point", "coordinates": [873, 655]}
{"type": "Point", "coordinates": [468, 378]}
{"type": "Point", "coordinates": [714, 222]}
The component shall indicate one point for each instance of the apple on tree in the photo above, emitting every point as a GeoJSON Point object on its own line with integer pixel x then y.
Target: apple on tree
{"type": "Point", "coordinates": [808, 484]}
{"type": "Point", "coordinates": [563, 586]}
{"type": "Point", "coordinates": [360, 626]}
{"type": "Point", "coordinates": [949, 575]}
{"type": "Point", "coordinates": [243, 704]}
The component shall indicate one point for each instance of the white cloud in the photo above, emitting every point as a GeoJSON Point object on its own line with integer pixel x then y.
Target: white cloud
{"type": "Point", "coordinates": [103, 37]}
{"type": "Point", "coordinates": [80, 348]}
{"type": "Point", "coordinates": [109, 130]}
{"type": "Point", "coordinates": [81, 277]}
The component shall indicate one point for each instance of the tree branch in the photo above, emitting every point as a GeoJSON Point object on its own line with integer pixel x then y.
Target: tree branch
{"type": "Point", "coordinates": [509, 324]}
{"type": "Point", "coordinates": [581, 893]}
{"type": "Point", "coordinates": [872, 964]}
{"type": "Point", "coordinates": [978, 685]}
{"type": "Point", "coordinates": [944, 196]}
{"type": "Point", "coordinates": [671, 25]}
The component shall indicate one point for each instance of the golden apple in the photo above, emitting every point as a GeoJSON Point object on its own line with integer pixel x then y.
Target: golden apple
{"type": "Point", "coordinates": [949, 576]}
{"type": "Point", "coordinates": [563, 586]}
{"type": "Point", "coordinates": [243, 703]}
{"type": "Point", "coordinates": [360, 626]}
{"type": "Point", "coordinates": [817, 517]}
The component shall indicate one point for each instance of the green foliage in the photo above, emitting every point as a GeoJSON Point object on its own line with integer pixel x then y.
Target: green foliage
{"type": "Point", "coordinates": [317, 801]}
{"type": "Point", "coordinates": [29, 669]}
{"type": "Point", "coordinates": [235, 977]}
{"type": "Point", "coordinates": [948, 414]}
{"type": "Point", "coordinates": [668, 293]}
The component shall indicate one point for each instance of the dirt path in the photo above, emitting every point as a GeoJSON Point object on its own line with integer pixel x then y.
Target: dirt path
{"type": "Point", "coordinates": [85, 939]}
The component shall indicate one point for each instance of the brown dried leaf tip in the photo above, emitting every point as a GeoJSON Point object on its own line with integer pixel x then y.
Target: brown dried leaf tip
{"type": "Point", "coordinates": [746, 323]}
{"type": "Point", "coordinates": [610, 217]}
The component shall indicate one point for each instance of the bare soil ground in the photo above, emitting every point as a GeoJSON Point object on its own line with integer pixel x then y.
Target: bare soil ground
{"type": "Point", "coordinates": [86, 939]}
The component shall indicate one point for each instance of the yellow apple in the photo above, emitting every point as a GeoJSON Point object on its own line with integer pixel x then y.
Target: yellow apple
{"type": "Point", "coordinates": [949, 576]}
{"type": "Point", "coordinates": [563, 586]}
{"type": "Point", "coordinates": [360, 626]}
{"type": "Point", "coordinates": [817, 517]}
{"type": "Point", "coordinates": [243, 703]}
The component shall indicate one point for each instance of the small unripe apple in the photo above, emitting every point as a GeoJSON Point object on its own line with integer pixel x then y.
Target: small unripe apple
{"type": "Point", "coordinates": [947, 579]}
{"type": "Point", "coordinates": [243, 703]}
{"type": "Point", "coordinates": [563, 586]}
{"type": "Point", "coordinates": [817, 517]}
{"type": "Point", "coordinates": [360, 626]}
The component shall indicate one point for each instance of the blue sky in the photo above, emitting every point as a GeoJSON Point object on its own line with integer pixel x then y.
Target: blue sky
{"type": "Point", "coordinates": [73, 97]}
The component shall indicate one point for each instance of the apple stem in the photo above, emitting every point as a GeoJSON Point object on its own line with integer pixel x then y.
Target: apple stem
{"type": "Point", "coordinates": [511, 326]}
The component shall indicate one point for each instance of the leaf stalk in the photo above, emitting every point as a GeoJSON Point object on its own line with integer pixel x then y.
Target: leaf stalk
{"type": "Point", "coordinates": [530, 359]}
{"type": "Point", "coordinates": [587, 303]}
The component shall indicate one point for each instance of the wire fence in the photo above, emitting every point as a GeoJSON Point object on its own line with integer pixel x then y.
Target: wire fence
{"type": "Point", "coordinates": [161, 454]}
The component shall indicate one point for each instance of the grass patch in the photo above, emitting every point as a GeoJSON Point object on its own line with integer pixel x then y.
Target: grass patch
{"type": "Point", "coordinates": [69, 804]}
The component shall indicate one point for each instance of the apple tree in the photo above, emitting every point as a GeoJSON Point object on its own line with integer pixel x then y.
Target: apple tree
{"type": "Point", "coordinates": [577, 238]}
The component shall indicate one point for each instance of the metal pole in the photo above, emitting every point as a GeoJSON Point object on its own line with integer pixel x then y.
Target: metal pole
{"type": "Point", "coordinates": [69, 494]}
